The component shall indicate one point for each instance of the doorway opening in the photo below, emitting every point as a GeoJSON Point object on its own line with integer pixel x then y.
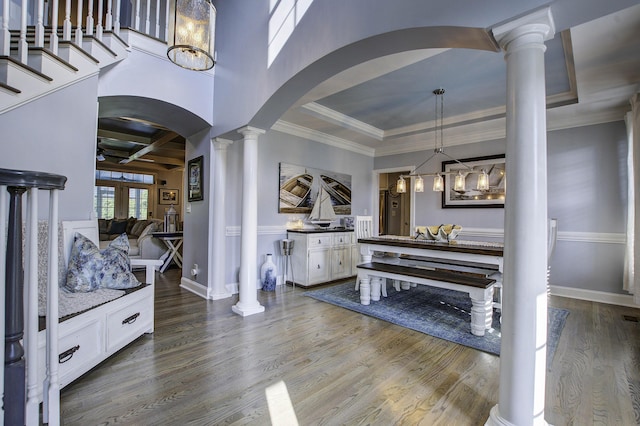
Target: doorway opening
{"type": "Point", "coordinates": [394, 208]}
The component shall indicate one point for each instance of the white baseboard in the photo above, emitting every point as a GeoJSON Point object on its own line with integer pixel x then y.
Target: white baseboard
{"type": "Point", "coordinates": [194, 287]}
{"type": "Point", "coordinates": [593, 296]}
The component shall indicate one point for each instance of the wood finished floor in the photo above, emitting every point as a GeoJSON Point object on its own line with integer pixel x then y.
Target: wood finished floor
{"type": "Point", "coordinates": [205, 365]}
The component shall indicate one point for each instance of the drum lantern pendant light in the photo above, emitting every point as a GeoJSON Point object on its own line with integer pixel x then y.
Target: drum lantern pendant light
{"type": "Point", "coordinates": [191, 39]}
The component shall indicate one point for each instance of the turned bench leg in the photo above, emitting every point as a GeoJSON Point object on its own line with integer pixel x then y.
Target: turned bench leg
{"type": "Point", "coordinates": [481, 311]}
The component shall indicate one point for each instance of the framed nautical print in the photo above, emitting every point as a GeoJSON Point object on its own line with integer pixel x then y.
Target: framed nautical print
{"type": "Point", "coordinates": [300, 188]}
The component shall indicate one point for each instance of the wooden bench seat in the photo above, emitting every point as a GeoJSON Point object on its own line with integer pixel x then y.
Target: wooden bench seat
{"type": "Point", "coordinates": [435, 263]}
{"type": "Point", "coordinates": [479, 288]}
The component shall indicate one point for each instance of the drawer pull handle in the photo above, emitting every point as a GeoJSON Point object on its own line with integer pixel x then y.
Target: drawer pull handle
{"type": "Point", "coordinates": [318, 266]}
{"type": "Point", "coordinates": [319, 241]}
{"type": "Point", "coordinates": [68, 354]}
{"type": "Point", "coordinates": [131, 319]}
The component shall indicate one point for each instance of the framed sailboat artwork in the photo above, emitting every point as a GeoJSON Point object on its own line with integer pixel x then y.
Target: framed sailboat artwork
{"type": "Point", "coordinates": [319, 193]}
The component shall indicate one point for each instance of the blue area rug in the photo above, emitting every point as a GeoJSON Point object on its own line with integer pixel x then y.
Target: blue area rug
{"type": "Point", "coordinates": [434, 311]}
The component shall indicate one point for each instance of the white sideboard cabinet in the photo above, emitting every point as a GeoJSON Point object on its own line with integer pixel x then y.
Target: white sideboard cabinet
{"type": "Point", "coordinates": [320, 256]}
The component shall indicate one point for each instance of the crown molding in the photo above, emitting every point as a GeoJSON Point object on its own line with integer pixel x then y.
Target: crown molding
{"type": "Point", "coordinates": [344, 120]}
{"type": "Point", "coordinates": [314, 135]}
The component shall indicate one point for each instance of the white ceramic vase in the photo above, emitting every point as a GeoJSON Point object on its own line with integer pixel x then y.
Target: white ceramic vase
{"type": "Point", "coordinates": [268, 274]}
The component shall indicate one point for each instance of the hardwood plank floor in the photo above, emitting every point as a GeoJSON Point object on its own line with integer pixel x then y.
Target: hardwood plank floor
{"type": "Point", "coordinates": [205, 365]}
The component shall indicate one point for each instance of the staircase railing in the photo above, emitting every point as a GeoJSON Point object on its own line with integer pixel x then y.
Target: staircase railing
{"type": "Point", "coordinates": [149, 17]}
{"type": "Point", "coordinates": [20, 391]}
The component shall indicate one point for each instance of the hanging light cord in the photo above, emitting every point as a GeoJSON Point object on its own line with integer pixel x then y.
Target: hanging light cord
{"type": "Point", "coordinates": [439, 147]}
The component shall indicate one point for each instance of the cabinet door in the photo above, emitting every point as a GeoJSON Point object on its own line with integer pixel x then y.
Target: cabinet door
{"type": "Point", "coordinates": [355, 259]}
{"type": "Point", "coordinates": [341, 263]}
{"type": "Point", "coordinates": [319, 266]}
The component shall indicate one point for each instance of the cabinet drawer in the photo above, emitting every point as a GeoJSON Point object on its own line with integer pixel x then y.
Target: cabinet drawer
{"type": "Point", "coordinates": [342, 238]}
{"type": "Point", "coordinates": [78, 351]}
{"type": "Point", "coordinates": [320, 241]}
{"type": "Point", "coordinates": [129, 320]}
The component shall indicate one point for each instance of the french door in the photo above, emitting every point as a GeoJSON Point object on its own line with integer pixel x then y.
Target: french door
{"type": "Point", "coordinates": [122, 200]}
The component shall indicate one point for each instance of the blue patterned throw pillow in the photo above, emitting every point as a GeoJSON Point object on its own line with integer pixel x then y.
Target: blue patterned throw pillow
{"type": "Point", "coordinates": [90, 269]}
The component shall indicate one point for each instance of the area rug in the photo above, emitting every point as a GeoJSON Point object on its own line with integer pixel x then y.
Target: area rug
{"type": "Point", "coordinates": [441, 313]}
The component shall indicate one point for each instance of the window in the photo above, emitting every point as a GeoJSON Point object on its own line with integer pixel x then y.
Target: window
{"type": "Point", "coordinates": [122, 195]}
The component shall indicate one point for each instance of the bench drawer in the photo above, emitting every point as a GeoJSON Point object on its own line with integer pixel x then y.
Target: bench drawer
{"type": "Point", "coordinates": [78, 351]}
{"type": "Point", "coordinates": [132, 319]}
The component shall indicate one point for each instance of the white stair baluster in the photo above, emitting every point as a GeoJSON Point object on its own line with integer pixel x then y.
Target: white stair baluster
{"type": "Point", "coordinates": [99, 28]}
{"type": "Point", "coordinates": [5, 35]}
{"type": "Point", "coordinates": [23, 47]}
{"type": "Point", "coordinates": [39, 42]}
{"type": "Point", "coordinates": [89, 27]}
{"type": "Point", "coordinates": [109, 18]}
{"type": "Point", "coordinates": [66, 25]}
{"type": "Point", "coordinates": [137, 16]}
{"type": "Point", "coordinates": [79, 23]}
{"type": "Point", "coordinates": [166, 20]}
{"type": "Point", "coordinates": [157, 33]}
{"type": "Point", "coordinates": [147, 22]}
{"type": "Point", "coordinates": [31, 305]}
{"type": "Point", "coordinates": [53, 37]}
{"type": "Point", "coordinates": [116, 22]}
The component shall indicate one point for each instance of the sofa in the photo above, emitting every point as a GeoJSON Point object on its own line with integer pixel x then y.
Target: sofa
{"type": "Point", "coordinates": [142, 244]}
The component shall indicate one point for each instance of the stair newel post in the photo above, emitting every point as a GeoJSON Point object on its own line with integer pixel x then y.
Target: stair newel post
{"type": "Point", "coordinates": [14, 364]}
{"type": "Point", "coordinates": [79, 23]}
{"type": "Point", "coordinates": [89, 27]}
{"type": "Point", "coordinates": [23, 47]}
{"type": "Point", "coordinates": [66, 25]}
{"type": "Point", "coordinates": [40, 24]}
{"type": "Point", "coordinates": [3, 255]}
{"type": "Point", "coordinates": [108, 24]}
{"type": "Point", "coordinates": [53, 37]}
{"type": "Point", "coordinates": [99, 27]}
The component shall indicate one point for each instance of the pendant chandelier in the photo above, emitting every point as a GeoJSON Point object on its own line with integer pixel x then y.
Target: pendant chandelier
{"type": "Point", "coordinates": [438, 178]}
{"type": "Point", "coordinates": [191, 38]}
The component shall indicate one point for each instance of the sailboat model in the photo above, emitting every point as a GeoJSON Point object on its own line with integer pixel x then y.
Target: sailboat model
{"type": "Point", "coordinates": [322, 213]}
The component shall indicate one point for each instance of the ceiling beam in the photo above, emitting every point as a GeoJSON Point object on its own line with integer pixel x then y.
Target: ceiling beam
{"type": "Point", "coordinates": [128, 137]}
{"type": "Point", "coordinates": [166, 138]}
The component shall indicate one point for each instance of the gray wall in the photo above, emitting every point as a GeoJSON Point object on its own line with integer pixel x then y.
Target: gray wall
{"type": "Point", "coordinates": [275, 147]}
{"type": "Point", "coordinates": [57, 134]}
{"type": "Point", "coordinates": [586, 191]}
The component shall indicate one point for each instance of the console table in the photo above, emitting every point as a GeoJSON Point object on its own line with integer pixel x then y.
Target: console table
{"type": "Point", "coordinates": [173, 241]}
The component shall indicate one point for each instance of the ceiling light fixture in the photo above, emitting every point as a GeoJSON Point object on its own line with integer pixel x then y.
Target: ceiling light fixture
{"type": "Point", "coordinates": [438, 179]}
{"type": "Point", "coordinates": [192, 34]}
{"type": "Point", "coordinates": [100, 155]}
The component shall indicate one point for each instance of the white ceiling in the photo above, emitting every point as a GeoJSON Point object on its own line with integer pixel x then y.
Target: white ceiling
{"type": "Point", "coordinates": [387, 106]}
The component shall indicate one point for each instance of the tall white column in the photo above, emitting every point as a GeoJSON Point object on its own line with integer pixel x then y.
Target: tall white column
{"type": "Point", "coordinates": [248, 303]}
{"type": "Point", "coordinates": [524, 308]}
{"type": "Point", "coordinates": [217, 288]}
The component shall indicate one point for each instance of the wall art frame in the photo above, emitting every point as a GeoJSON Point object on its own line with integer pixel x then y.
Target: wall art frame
{"type": "Point", "coordinates": [168, 196]}
{"type": "Point", "coordinates": [195, 175]}
{"type": "Point", "coordinates": [494, 197]}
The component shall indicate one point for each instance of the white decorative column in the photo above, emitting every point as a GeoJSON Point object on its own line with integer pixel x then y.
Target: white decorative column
{"type": "Point", "coordinates": [248, 303]}
{"type": "Point", "coordinates": [217, 288]}
{"type": "Point", "coordinates": [524, 307]}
